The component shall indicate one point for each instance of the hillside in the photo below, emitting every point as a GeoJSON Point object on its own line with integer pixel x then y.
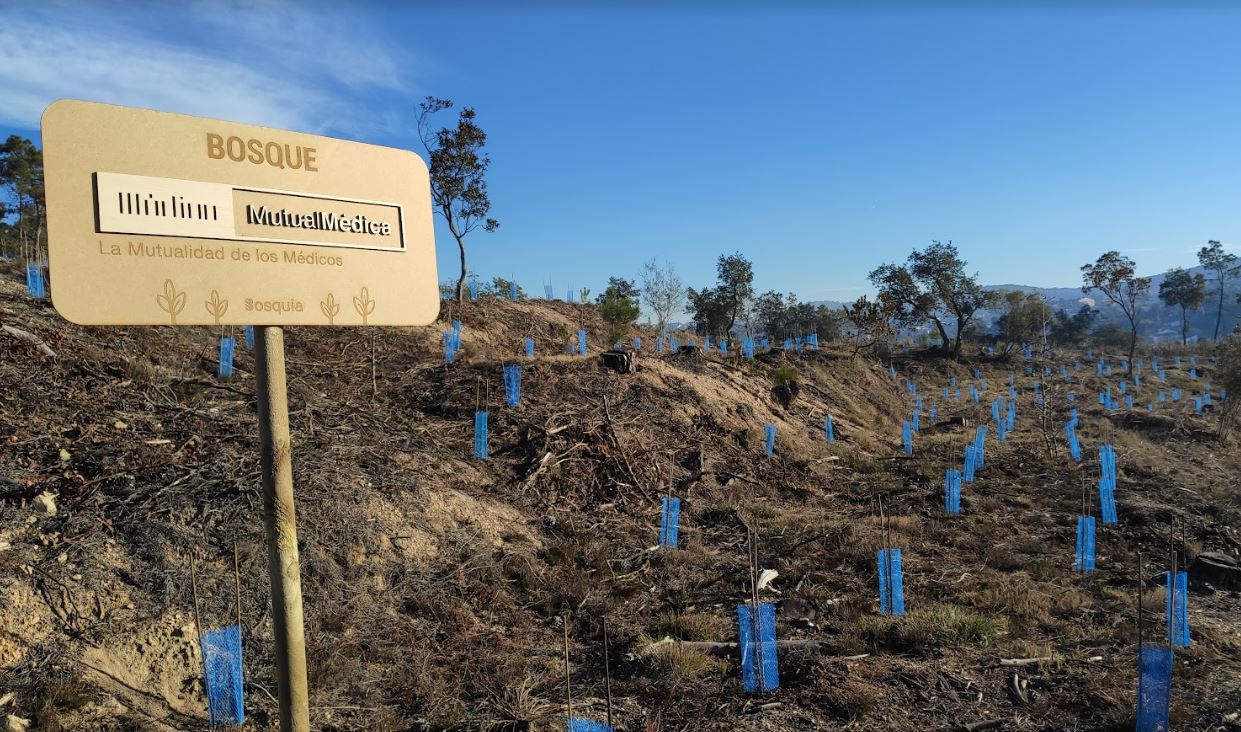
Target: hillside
{"type": "Point", "coordinates": [435, 583]}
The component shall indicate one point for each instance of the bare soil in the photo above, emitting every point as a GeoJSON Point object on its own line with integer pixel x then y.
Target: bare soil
{"type": "Point", "coordinates": [436, 584]}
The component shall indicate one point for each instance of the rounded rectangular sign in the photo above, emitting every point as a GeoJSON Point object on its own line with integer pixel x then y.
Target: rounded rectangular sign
{"type": "Point", "coordinates": [165, 219]}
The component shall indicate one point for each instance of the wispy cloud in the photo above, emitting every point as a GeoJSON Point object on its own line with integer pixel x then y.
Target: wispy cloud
{"type": "Point", "coordinates": [269, 64]}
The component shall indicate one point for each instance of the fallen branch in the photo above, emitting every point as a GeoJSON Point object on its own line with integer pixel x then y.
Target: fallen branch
{"type": "Point", "coordinates": [1046, 659]}
{"type": "Point", "coordinates": [989, 724]}
{"type": "Point", "coordinates": [38, 343]}
{"type": "Point", "coordinates": [716, 648]}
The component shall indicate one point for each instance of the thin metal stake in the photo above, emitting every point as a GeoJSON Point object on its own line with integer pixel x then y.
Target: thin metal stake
{"type": "Point", "coordinates": [568, 687]}
{"type": "Point", "coordinates": [237, 583]}
{"type": "Point", "coordinates": [1139, 604]}
{"type": "Point", "coordinates": [607, 668]}
{"type": "Point", "coordinates": [1171, 581]}
{"type": "Point", "coordinates": [198, 626]}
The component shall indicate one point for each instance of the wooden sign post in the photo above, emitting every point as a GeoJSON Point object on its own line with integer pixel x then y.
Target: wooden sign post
{"type": "Point", "coordinates": [164, 219]}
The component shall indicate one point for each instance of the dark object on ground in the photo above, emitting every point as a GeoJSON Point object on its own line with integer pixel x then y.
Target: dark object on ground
{"type": "Point", "coordinates": [1216, 568]}
{"type": "Point", "coordinates": [624, 362]}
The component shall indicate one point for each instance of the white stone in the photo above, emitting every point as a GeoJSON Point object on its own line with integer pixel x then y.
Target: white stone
{"type": "Point", "coordinates": [45, 503]}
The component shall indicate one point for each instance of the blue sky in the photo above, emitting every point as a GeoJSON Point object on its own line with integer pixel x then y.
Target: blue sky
{"type": "Point", "coordinates": [820, 143]}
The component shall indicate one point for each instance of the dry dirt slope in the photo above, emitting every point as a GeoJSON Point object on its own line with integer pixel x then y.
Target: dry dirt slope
{"type": "Point", "coordinates": [435, 583]}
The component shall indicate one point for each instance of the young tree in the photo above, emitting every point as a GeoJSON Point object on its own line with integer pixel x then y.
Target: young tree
{"type": "Point", "coordinates": [1114, 275]}
{"type": "Point", "coordinates": [664, 293]}
{"type": "Point", "coordinates": [1071, 330]}
{"type": "Point", "coordinates": [771, 314]}
{"type": "Point", "coordinates": [870, 321]}
{"type": "Point", "coordinates": [735, 274]}
{"type": "Point", "coordinates": [458, 175]}
{"type": "Point", "coordinates": [1224, 264]}
{"type": "Point", "coordinates": [502, 288]}
{"type": "Point", "coordinates": [931, 286]}
{"type": "Point", "coordinates": [1181, 289]}
{"type": "Point", "coordinates": [619, 306]}
{"type": "Point", "coordinates": [710, 307]}
{"type": "Point", "coordinates": [1228, 376]}
{"type": "Point", "coordinates": [1023, 318]}
{"type": "Point", "coordinates": [21, 173]}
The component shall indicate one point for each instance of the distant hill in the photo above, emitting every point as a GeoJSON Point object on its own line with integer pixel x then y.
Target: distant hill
{"type": "Point", "coordinates": [1155, 319]}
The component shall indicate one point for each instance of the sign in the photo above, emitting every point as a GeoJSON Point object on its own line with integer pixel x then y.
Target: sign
{"type": "Point", "coordinates": [165, 219]}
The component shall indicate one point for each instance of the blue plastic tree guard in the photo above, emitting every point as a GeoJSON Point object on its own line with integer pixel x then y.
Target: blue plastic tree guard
{"type": "Point", "coordinates": [980, 443]}
{"type": "Point", "coordinates": [1107, 483]}
{"type": "Point", "coordinates": [1177, 609]}
{"type": "Point", "coordinates": [706, 344]}
{"type": "Point", "coordinates": [1075, 445]}
{"type": "Point", "coordinates": [222, 672]}
{"type": "Point", "coordinates": [450, 349]}
{"type": "Point", "coordinates": [916, 421]}
{"type": "Point", "coordinates": [747, 348]}
{"type": "Point", "coordinates": [529, 347]}
{"type": "Point", "coordinates": [1154, 688]}
{"type": "Point", "coordinates": [549, 293]}
{"type": "Point", "coordinates": [512, 385]}
{"type": "Point", "coordinates": [35, 286]}
{"type": "Point", "coordinates": [512, 291]}
{"type": "Point", "coordinates": [967, 468]}
{"type": "Point", "coordinates": [473, 285]}
{"type": "Point", "coordinates": [1084, 559]}
{"type": "Point", "coordinates": [581, 343]}
{"type": "Point", "coordinates": [952, 491]}
{"type": "Point", "coordinates": [227, 346]}
{"type": "Point", "coordinates": [669, 522]}
{"type": "Point", "coordinates": [637, 343]}
{"type": "Point", "coordinates": [480, 435]}
{"type": "Point", "coordinates": [769, 439]}
{"type": "Point", "coordinates": [891, 583]}
{"type": "Point", "coordinates": [829, 430]}
{"type": "Point", "coordinates": [248, 332]}
{"type": "Point", "coordinates": [760, 669]}
{"type": "Point", "coordinates": [578, 724]}
{"type": "Point", "coordinates": [934, 413]}
{"type": "Point", "coordinates": [907, 438]}
{"type": "Point", "coordinates": [723, 346]}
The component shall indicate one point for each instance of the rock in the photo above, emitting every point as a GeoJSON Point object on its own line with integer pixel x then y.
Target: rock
{"type": "Point", "coordinates": [45, 503]}
{"type": "Point", "coordinates": [1216, 568]}
{"type": "Point", "coordinates": [14, 723]}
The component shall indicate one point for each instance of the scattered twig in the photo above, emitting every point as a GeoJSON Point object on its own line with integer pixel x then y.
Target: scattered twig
{"type": "Point", "coordinates": [31, 338]}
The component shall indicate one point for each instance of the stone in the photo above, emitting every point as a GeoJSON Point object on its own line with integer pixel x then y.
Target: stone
{"type": "Point", "coordinates": [14, 723]}
{"type": "Point", "coordinates": [45, 503]}
{"type": "Point", "coordinates": [1216, 568]}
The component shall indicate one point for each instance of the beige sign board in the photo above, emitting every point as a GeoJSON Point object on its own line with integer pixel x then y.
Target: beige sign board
{"type": "Point", "coordinates": [158, 219]}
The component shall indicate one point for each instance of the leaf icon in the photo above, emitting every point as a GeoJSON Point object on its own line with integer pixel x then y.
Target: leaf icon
{"type": "Point", "coordinates": [364, 304]}
{"type": "Point", "coordinates": [216, 306]}
{"type": "Point", "coordinates": [330, 308]}
{"type": "Point", "coordinates": [171, 301]}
